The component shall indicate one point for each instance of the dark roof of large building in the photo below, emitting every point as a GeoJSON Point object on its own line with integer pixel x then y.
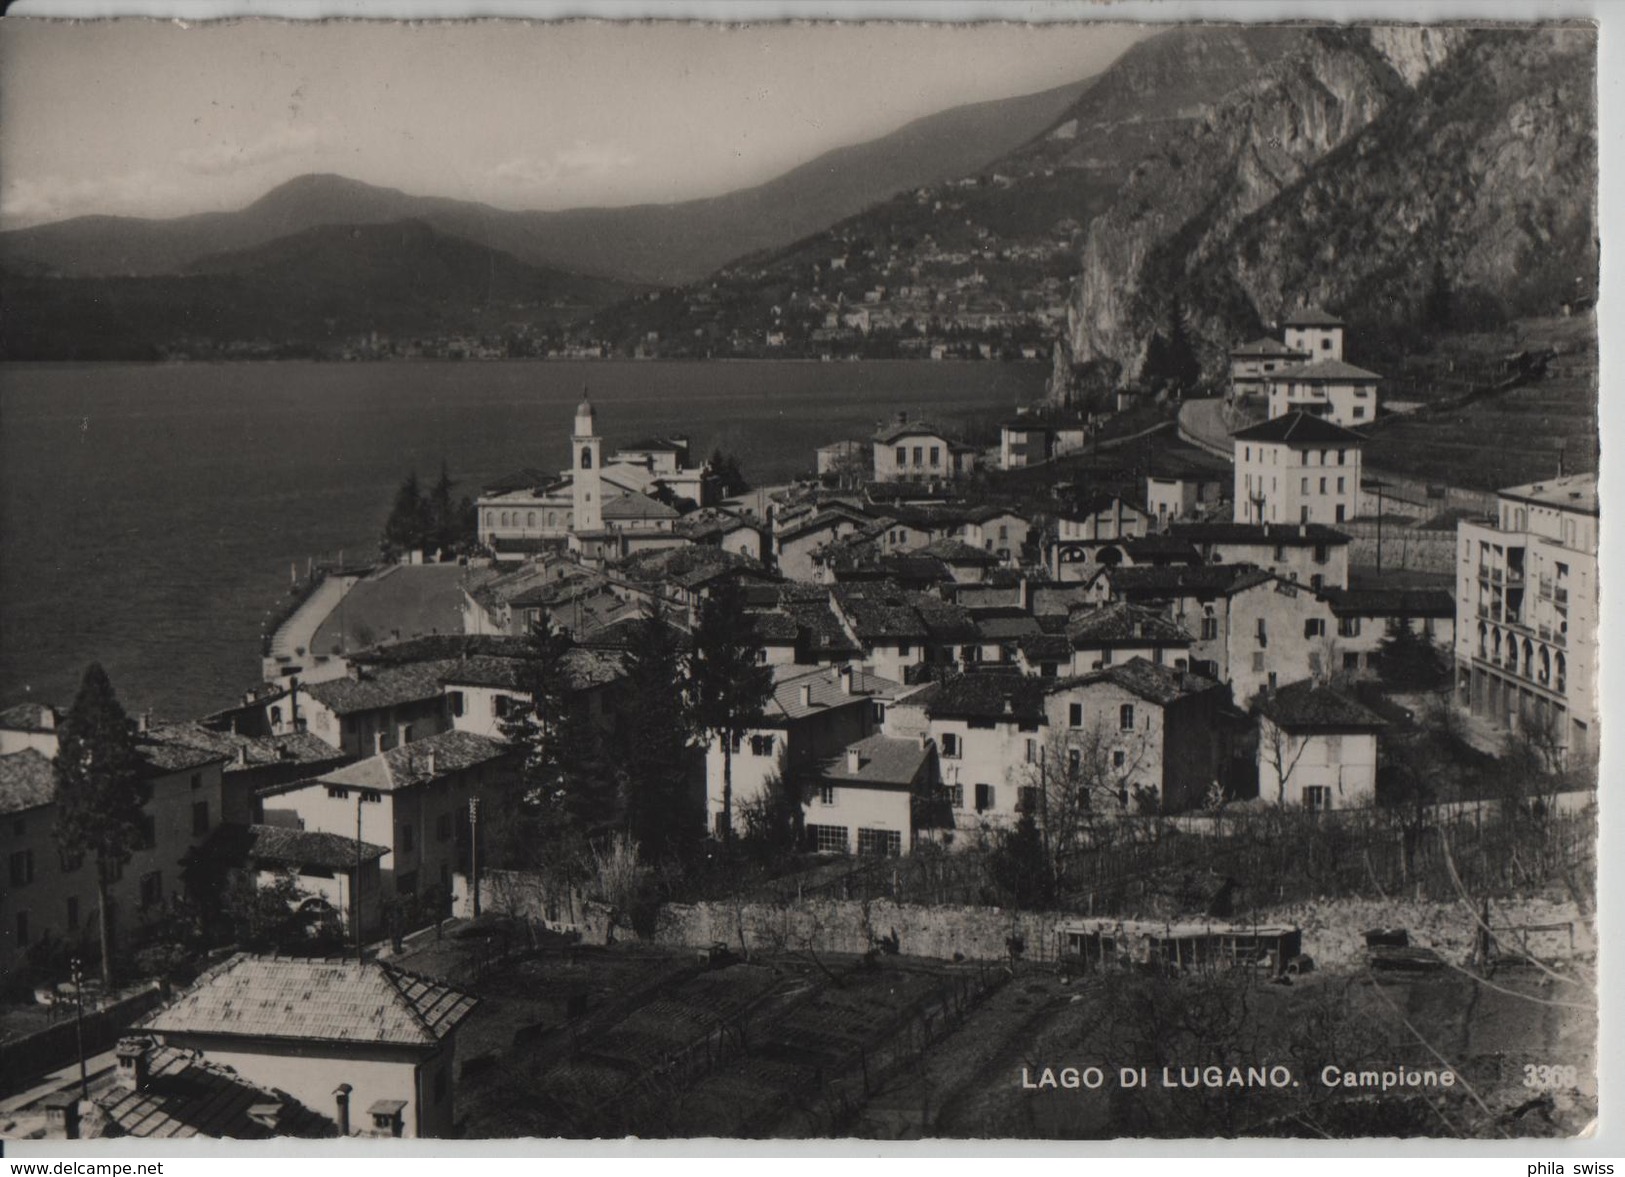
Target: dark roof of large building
{"type": "Point", "coordinates": [1284, 534]}
{"type": "Point", "coordinates": [1010, 698]}
{"type": "Point", "coordinates": [284, 846]}
{"type": "Point", "coordinates": [1152, 547]}
{"type": "Point", "coordinates": [1396, 602]}
{"type": "Point", "coordinates": [1180, 580]}
{"type": "Point", "coordinates": [819, 521]}
{"type": "Point", "coordinates": [1308, 705]}
{"type": "Point", "coordinates": [1299, 428]}
{"type": "Point", "coordinates": [187, 1096]}
{"type": "Point", "coordinates": [336, 1001]}
{"type": "Point", "coordinates": [1325, 370]}
{"type": "Point", "coordinates": [1267, 346]}
{"type": "Point", "coordinates": [886, 761]}
{"type": "Point", "coordinates": [1122, 623]}
{"type": "Point", "coordinates": [1311, 316]}
{"type": "Point", "coordinates": [27, 781]}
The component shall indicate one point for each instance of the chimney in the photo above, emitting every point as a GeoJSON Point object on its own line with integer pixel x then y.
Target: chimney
{"type": "Point", "coordinates": [846, 680]}
{"type": "Point", "coordinates": [134, 1062]}
{"type": "Point", "coordinates": [1009, 704]}
{"type": "Point", "coordinates": [242, 755]}
{"type": "Point", "coordinates": [341, 1101]}
{"type": "Point", "coordinates": [61, 1115]}
{"type": "Point", "coordinates": [378, 743]}
{"type": "Point", "coordinates": [353, 670]}
{"type": "Point", "coordinates": [806, 694]}
{"type": "Point", "coordinates": [431, 765]}
{"type": "Point", "coordinates": [144, 723]}
{"type": "Point", "coordinates": [902, 418]}
{"type": "Point", "coordinates": [854, 761]}
{"type": "Point", "coordinates": [266, 1113]}
{"type": "Point", "coordinates": [1303, 531]}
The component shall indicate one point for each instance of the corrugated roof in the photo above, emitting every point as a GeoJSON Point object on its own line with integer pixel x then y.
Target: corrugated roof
{"type": "Point", "coordinates": [1299, 428]}
{"type": "Point", "coordinates": [188, 1096]}
{"type": "Point", "coordinates": [315, 1001]}
{"type": "Point", "coordinates": [27, 781]}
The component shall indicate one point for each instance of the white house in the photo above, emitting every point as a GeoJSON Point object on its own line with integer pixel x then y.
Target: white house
{"type": "Point", "coordinates": [1300, 468]}
{"type": "Point", "coordinates": [1317, 748]}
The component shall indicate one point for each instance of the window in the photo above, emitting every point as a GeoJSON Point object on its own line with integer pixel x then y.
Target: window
{"type": "Point", "coordinates": [828, 839]}
{"type": "Point", "coordinates": [586, 457]}
{"type": "Point", "coordinates": [1272, 680]}
{"type": "Point", "coordinates": [1325, 345]}
{"type": "Point", "coordinates": [1074, 761]}
{"type": "Point", "coordinates": [197, 781]}
{"type": "Point", "coordinates": [1314, 627]}
{"type": "Point", "coordinates": [338, 792]}
{"type": "Point", "coordinates": [902, 456]}
{"type": "Point", "coordinates": [1119, 758]}
{"type": "Point", "coordinates": [1317, 797]}
{"type": "Point", "coordinates": [761, 745]}
{"type": "Point", "coordinates": [1305, 486]}
{"type": "Point", "coordinates": [22, 928]}
{"type": "Point", "coordinates": [1027, 800]}
{"type": "Point", "coordinates": [1210, 628]}
{"type": "Point", "coordinates": [1032, 751]}
{"type": "Point", "coordinates": [1125, 717]}
{"type": "Point", "coordinates": [1261, 630]}
{"type": "Point", "coordinates": [149, 832]}
{"type": "Point", "coordinates": [919, 455]}
{"type": "Point", "coordinates": [1341, 513]}
{"type": "Point", "coordinates": [1339, 486]}
{"type": "Point", "coordinates": [904, 650]}
{"type": "Point", "coordinates": [1348, 627]}
{"type": "Point", "coordinates": [1074, 715]}
{"type": "Point", "coordinates": [442, 828]}
{"type": "Point", "coordinates": [454, 700]}
{"type": "Point", "coordinates": [408, 837]}
{"type": "Point", "coordinates": [952, 747]}
{"type": "Point", "coordinates": [22, 868]}
{"type": "Point", "coordinates": [1351, 662]}
{"type": "Point", "coordinates": [936, 460]}
{"type": "Point", "coordinates": [1341, 455]}
{"type": "Point", "coordinates": [530, 518]}
{"type": "Point", "coordinates": [152, 888]}
{"type": "Point", "coordinates": [1258, 660]}
{"type": "Point", "coordinates": [880, 843]}
{"type": "Point", "coordinates": [826, 795]}
{"type": "Point", "coordinates": [984, 798]}
{"type": "Point", "coordinates": [1106, 656]}
{"type": "Point", "coordinates": [1359, 412]}
{"type": "Point", "coordinates": [1322, 486]}
{"type": "Point", "coordinates": [499, 706]}
{"type": "Point", "coordinates": [200, 818]}
{"type": "Point", "coordinates": [1303, 514]}
{"type": "Point", "coordinates": [73, 913]}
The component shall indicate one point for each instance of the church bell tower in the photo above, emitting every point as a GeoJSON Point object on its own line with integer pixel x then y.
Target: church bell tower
{"type": "Point", "coordinates": [586, 455]}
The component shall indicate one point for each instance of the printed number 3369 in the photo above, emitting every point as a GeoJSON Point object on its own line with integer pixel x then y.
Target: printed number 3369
{"type": "Point", "coordinates": [1549, 1077]}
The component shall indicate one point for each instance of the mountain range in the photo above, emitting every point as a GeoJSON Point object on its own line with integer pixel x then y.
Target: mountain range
{"type": "Point", "coordinates": [639, 244]}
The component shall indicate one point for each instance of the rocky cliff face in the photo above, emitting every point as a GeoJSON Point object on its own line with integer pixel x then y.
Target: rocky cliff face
{"type": "Point", "coordinates": [1348, 172]}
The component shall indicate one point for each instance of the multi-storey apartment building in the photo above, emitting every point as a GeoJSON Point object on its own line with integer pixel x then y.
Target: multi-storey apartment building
{"type": "Point", "coordinates": [1299, 468]}
{"type": "Point", "coordinates": [1526, 621]}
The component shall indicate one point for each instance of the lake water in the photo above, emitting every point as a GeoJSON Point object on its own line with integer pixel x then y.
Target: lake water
{"type": "Point", "coordinates": [149, 514]}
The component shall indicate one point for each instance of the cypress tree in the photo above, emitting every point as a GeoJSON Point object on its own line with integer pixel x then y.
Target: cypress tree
{"type": "Point", "coordinates": [731, 683]}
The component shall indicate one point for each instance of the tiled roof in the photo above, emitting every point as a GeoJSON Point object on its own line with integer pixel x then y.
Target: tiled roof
{"type": "Point", "coordinates": [882, 760]}
{"type": "Point", "coordinates": [1013, 698]}
{"type": "Point", "coordinates": [408, 764]}
{"type": "Point", "coordinates": [188, 1096]}
{"type": "Point", "coordinates": [821, 521]}
{"type": "Point", "coordinates": [1306, 705]}
{"type": "Point", "coordinates": [688, 566]}
{"type": "Point", "coordinates": [165, 755]}
{"type": "Point", "coordinates": [1267, 346]}
{"type": "Point", "coordinates": [528, 478]}
{"type": "Point", "coordinates": [30, 717]}
{"type": "Point", "coordinates": [1299, 428]}
{"type": "Point", "coordinates": [710, 521]}
{"type": "Point", "coordinates": [988, 596]}
{"type": "Point", "coordinates": [390, 686]}
{"type": "Point", "coordinates": [1057, 600]}
{"type": "Point", "coordinates": [1180, 580]}
{"type": "Point", "coordinates": [945, 621]}
{"type": "Point", "coordinates": [1155, 684]}
{"type": "Point", "coordinates": [627, 634]}
{"type": "Point", "coordinates": [1310, 317]}
{"type": "Point", "coordinates": [1325, 370]}
{"type": "Point", "coordinates": [809, 607]}
{"type": "Point", "coordinates": [27, 781]}
{"type": "Point", "coordinates": [1390, 602]}
{"type": "Point", "coordinates": [1006, 628]}
{"type": "Point", "coordinates": [894, 432]}
{"type": "Point", "coordinates": [257, 751]}
{"type": "Point", "coordinates": [631, 504]}
{"type": "Point", "coordinates": [285, 846]}
{"type": "Point", "coordinates": [315, 1001]}
{"type": "Point", "coordinates": [1149, 547]}
{"type": "Point", "coordinates": [1124, 623]}
{"type": "Point", "coordinates": [827, 690]}
{"type": "Point", "coordinates": [880, 611]}
{"type": "Point", "coordinates": [956, 551]}
{"type": "Point", "coordinates": [1100, 503]}
{"type": "Point", "coordinates": [772, 628]}
{"type": "Point", "coordinates": [1285, 534]}
{"type": "Point", "coordinates": [1047, 647]}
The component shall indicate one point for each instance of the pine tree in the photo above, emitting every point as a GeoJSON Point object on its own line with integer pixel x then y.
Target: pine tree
{"type": "Point", "coordinates": [440, 511]}
{"type": "Point", "coordinates": [101, 791]}
{"type": "Point", "coordinates": [408, 522]}
{"type": "Point", "coordinates": [655, 742]}
{"type": "Point", "coordinates": [731, 683]}
{"type": "Point", "coordinates": [563, 799]}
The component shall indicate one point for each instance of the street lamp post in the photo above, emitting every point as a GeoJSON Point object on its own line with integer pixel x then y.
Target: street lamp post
{"type": "Point", "coordinates": [76, 970]}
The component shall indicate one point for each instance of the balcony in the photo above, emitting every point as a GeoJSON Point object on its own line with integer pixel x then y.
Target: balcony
{"type": "Point", "coordinates": [1560, 595]}
{"type": "Point", "coordinates": [1545, 588]}
{"type": "Point", "coordinates": [1497, 576]}
{"type": "Point", "coordinates": [1514, 575]}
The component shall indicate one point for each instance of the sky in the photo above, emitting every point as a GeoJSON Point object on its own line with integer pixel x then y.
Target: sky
{"type": "Point", "coordinates": [157, 118]}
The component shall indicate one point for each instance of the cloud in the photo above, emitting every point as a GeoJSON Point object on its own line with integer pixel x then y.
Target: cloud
{"type": "Point", "coordinates": [33, 200]}
{"type": "Point", "coordinates": [578, 162]}
{"type": "Point", "coordinates": [228, 157]}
